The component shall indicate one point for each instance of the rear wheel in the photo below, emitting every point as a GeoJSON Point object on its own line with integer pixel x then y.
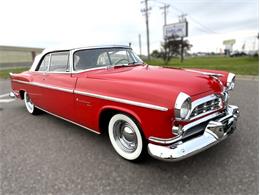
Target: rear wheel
{"type": "Point", "coordinates": [29, 104]}
{"type": "Point", "coordinates": [126, 137]}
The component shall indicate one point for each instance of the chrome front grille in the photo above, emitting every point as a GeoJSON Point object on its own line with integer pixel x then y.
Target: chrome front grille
{"type": "Point", "coordinates": [206, 107]}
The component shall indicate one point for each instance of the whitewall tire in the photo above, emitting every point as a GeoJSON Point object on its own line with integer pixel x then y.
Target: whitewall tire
{"type": "Point", "coordinates": [125, 137]}
{"type": "Point", "coordinates": [29, 104]}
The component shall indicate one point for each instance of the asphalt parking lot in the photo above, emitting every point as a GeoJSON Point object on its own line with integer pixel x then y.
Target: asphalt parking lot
{"type": "Point", "coordinates": [46, 155]}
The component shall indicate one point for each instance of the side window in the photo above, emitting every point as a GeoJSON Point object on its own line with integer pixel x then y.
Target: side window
{"type": "Point", "coordinates": [59, 62]}
{"type": "Point", "coordinates": [44, 64]}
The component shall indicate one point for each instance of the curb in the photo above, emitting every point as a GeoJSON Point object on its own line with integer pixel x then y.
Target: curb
{"type": "Point", "coordinates": [247, 77]}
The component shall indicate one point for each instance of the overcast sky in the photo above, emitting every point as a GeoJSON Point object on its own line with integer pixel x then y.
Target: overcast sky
{"type": "Point", "coordinates": [48, 23]}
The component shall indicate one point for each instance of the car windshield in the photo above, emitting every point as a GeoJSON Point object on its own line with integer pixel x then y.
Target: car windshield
{"type": "Point", "coordinates": [94, 58]}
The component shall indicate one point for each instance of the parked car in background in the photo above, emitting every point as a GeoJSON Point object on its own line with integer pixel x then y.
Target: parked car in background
{"type": "Point", "coordinates": [172, 113]}
{"type": "Point", "coordinates": [237, 53]}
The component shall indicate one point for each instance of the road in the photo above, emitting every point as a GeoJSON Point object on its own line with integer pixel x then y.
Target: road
{"type": "Point", "coordinates": [46, 155]}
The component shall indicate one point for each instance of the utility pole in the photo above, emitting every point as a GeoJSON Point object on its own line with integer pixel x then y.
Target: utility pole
{"type": "Point", "coordinates": [182, 18]}
{"type": "Point", "coordinates": [140, 44]}
{"type": "Point", "coordinates": [146, 12]}
{"type": "Point", "coordinates": [164, 8]}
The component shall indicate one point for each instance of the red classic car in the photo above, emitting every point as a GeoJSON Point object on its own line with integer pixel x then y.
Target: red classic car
{"type": "Point", "coordinates": [172, 113]}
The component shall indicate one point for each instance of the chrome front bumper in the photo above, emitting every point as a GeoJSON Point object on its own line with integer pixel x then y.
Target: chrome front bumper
{"type": "Point", "coordinates": [215, 131]}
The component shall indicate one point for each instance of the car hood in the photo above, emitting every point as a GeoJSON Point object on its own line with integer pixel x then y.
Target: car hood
{"type": "Point", "coordinates": [161, 79]}
{"type": "Point", "coordinates": [148, 84]}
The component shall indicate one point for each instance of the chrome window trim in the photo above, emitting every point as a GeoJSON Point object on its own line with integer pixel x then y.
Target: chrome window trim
{"type": "Point", "coordinates": [40, 63]}
{"type": "Point", "coordinates": [46, 72]}
{"type": "Point", "coordinates": [80, 71]}
{"type": "Point", "coordinates": [43, 55]}
{"type": "Point", "coordinates": [48, 68]}
{"type": "Point", "coordinates": [68, 120]}
{"type": "Point", "coordinates": [70, 48]}
{"type": "Point", "coordinates": [184, 128]}
{"type": "Point", "coordinates": [120, 100]}
{"type": "Point", "coordinates": [114, 99]}
{"type": "Point", "coordinates": [55, 52]}
{"type": "Point", "coordinates": [57, 72]}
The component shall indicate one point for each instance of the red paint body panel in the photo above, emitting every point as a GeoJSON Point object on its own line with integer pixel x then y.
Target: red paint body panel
{"type": "Point", "coordinates": [146, 84]}
{"type": "Point", "coordinates": [60, 102]}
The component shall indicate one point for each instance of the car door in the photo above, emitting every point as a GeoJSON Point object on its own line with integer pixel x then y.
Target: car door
{"type": "Point", "coordinates": [36, 90]}
{"type": "Point", "coordinates": [59, 86]}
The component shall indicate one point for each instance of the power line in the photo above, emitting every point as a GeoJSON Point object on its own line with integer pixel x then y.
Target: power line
{"type": "Point", "coordinates": [203, 27]}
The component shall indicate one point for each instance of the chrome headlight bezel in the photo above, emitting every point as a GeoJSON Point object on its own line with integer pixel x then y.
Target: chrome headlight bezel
{"type": "Point", "coordinates": [230, 81]}
{"type": "Point", "coordinates": [182, 102]}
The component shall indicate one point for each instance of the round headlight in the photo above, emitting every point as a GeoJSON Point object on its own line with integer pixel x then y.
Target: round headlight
{"type": "Point", "coordinates": [185, 109]}
{"type": "Point", "coordinates": [182, 106]}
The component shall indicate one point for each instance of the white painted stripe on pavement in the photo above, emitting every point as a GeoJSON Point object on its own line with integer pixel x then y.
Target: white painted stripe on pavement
{"type": "Point", "coordinates": [4, 95]}
{"type": "Point", "coordinates": [6, 100]}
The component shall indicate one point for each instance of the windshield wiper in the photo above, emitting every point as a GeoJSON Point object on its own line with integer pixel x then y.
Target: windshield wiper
{"type": "Point", "coordinates": [125, 65]}
{"type": "Point", "coordinates": [135, 63]}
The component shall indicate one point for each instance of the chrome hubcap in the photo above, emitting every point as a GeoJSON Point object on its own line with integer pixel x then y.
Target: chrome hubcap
{"type": "Point", "coordinates": [125, 136]}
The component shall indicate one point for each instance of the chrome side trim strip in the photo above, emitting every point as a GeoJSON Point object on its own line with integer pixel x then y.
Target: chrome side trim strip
{"type": "Point", "coordinates": [52, 87]}
{"type": "Point", "coordinates": [185, 128]}
{"type": "Point", "coordinates": [18, 81]}
{"type": "Point", "coordinates": [45, 86]}
{"type": "Point", "coordinates": [68, 120]}
{"type": "Point", "coordinates": [114, 99]}
{"type": "Point", "coordinates": [205, 73]}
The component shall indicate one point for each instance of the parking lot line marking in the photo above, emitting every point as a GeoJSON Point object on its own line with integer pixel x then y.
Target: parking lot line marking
{"type": "Point", "coordinates": [4, 95]}
{"type": "Point", "coordinates": [6, 100]}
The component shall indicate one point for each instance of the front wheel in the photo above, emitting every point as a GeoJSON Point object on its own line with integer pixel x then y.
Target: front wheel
{"type": "Point", "coordinates": [29, 104]}
{"type": "Point", "coordinates": [126, 137]}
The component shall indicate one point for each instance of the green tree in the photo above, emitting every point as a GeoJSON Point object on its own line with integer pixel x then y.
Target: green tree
{"type": "Point", "coordinates": [173, 46]}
